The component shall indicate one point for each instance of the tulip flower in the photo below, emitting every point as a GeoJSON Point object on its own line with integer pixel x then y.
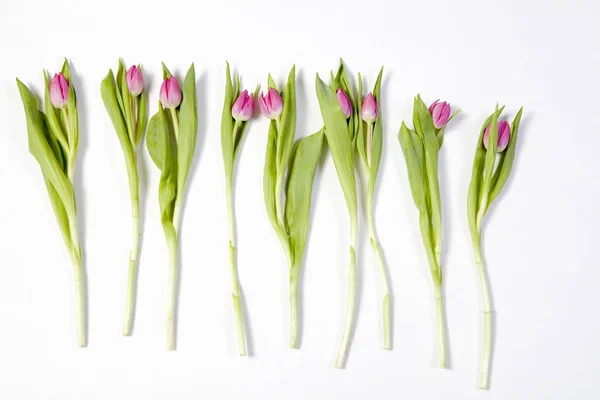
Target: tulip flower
{"type": "Point", "coordinates": [271, 105]}
{"type": "Point", "coordinates": [368, 111]}
{"type": "Point", "coordinates": [344, 101]}
{"type": "Point", "coordinates": [59, 91]}
{"type": "Point", "coordinates": [503, 136]}
{"type": "Point", "coordinates": [135, 81]}
{"type": "Point", "coordinates": [243, 107]}
{"type": "Point", "coordinates": [440, 112]}
{"type": "Point", "coordinates": [170, 94]}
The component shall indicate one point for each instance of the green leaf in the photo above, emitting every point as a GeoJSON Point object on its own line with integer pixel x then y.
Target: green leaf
{"type": "Point", "coordinates": [340, 144]}
{"type": "Point", "coordinates": [127, 109]}
{"type": "Point", "coordinates": [506, 161]}
{"type": "Point", "coordinates": [377, 142]}
{"type": "Point", "coordinates": [166, 73]}
{"type": "Point", "coordinates": [142, 117]}
{"type": "Point", "coordinates": [39, 138]}
{"type": "Point", "coordinates": [119, 78]}
{"type": "Point", "coordinates": [412, 147]}
{"type": "Point", "coordinates": [270, 177]}
{"type": "Point", "coordinates": [303, 165]}
{"type": "Point", "coordinates": [287, 125]}
{"type": "Point", "coordinates": [227, 144]}
{"type": "Point", "coordinates": [188, 129]}
{"type": "Point", "coordinates": [61, 214]}
{"type": "Point", "coordinates": [158, 132]}
{"type": "Point", "coordinates": [72, 109]}
{"type": "Point", "coordinates": [271, 83]}
{"type": "Point", "coordinates": [110, 98]}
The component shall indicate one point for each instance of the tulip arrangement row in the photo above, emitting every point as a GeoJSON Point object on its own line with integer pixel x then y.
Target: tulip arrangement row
{"type": "Point", "coordinates": [351, 124]}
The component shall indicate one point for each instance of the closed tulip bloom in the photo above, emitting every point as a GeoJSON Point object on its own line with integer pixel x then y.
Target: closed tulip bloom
{"type": "Point", "coordinates": [503, 136]}
{"type": "Point", "coordinates": [59, 91]}
{"type": "Point", "coordinates": [135, 80]}
{"type": "Point", "coordinates": [243, 107]}
{"type": "Point", "coordinates": [344, 101]}
{"type": "Point", "coordinates": [271, 105]}
{"type": "Point", "coordinates": [440, 112]}
{"type": "Point", "coordinates": [170, 94]}
{"type": "Point", "coordinates": [368, 112]}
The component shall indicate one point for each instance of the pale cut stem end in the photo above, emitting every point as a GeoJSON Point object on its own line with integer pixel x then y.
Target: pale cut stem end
{"type": "Point", "coordinates": [487, 344]}
{"type": "Point", "coordinates": [79, 301]}
{"type": "Point", "coordinates": [293, 313]}
{"type": "Point", "coordinates": [341, 355]}
{"type": "Point", "coordinates": [172, 297]}
{"type": "Point", "coordinates": [130, 298]}
{"type": "Point", "coordinates": [387, 342]}
{"type": "Point", "coordinates": [237, 303]}
{"type": "Point", "coordinates": [441, 326]}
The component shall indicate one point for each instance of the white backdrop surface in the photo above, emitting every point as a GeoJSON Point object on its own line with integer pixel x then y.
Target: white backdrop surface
{"type": "Point", "coordinates": [541, 240]}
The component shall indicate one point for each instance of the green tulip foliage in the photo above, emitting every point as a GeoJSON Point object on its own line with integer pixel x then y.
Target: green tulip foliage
{"type": "Point", "coordinates": [129, 116]}
{"type": "Point", "coordinates": [341, 134]}
{"type": "Point", "coordinates": [232, 132]}
{"type": "Point", "coordinates": [171, 142]}
{"type": "Point", "coordinates": [490, 173]}
{"type": "Point", "coordinates": [298, 161]}
{"type": "Point", "coordinates": [421, 148]}
{"type": "Point", "coordinates": [53, 140]}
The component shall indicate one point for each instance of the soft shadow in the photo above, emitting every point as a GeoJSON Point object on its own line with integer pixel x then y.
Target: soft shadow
{"type": "Point", "coordinates": [80, 192]}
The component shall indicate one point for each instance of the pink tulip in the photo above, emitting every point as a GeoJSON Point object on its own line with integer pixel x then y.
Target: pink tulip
{"type": "Point", "coordinates": [271, 104]}
{"type": "Point", "coordinates": [170, 94]}
{"type": "Point", "coordinates": [440, 112]}
{"type": "Point", "coordinates": [344, 101]}
{"type": "Point", "coordinates": [243, 107]}
{"type": "Point", "coordinates": [503, 136]}
{"type": "Point", "coordinates": [135, 81]}
{"type": "Point", "coordinates": [368, 112]}
{"type": "Point", "coordinates": [59, 91]}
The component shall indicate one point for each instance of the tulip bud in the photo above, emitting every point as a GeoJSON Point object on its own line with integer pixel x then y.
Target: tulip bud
{"type": "Point", "coordinates": [271, 104]}
{"type": "Point", "coordinates": [170, 94]}
{"type": "Point", "coordinates": [368, 112]}
{"type": "Point", "coordinates": [440, 112]}
{"type": "Point", "coordinates": [135, 81]}
{"type": "Point", "coordinates": [503, 136]}
{"type": "Point", "coordinates": [59, 91]}
{"type": "Point", "coordinates": [344, 101]}
{"type": "Point", "coordinates": [243, 107]}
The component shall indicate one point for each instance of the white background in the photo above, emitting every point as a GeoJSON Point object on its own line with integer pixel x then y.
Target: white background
{"type": "Point", "coordinates": [541, 239]}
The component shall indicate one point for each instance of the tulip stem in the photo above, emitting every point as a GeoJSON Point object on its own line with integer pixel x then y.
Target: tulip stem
{"type": "Point", "coordinates": [487, 315]}
{"type": "Point", "coordinates": [441, 321]}
{"type": "Point", "coordinates": [349, 323]}
{"type": "Point", "coordinates": [172, 293]}
{"type": "Point", "coordinates": [175, 123]}
{"type": "Point", "coordinates": [236, 293]}
{"type": "Point", "coordinates": [378, 253]}
{"type": "Point", "coordinates": [369, 143]}
{"type": "Point", "coordinates": [294, 272]}
{"type": "Point", "coordinates": [133, 256]}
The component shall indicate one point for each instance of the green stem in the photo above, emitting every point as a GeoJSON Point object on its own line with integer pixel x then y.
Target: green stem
{"type": "Point", "coordinates": [133, 121]}
{"type": "Point", "coordinates": [348, 325]}
{"type": "Point", "coordinates": [294, 275]}
{"type": "Point", "coordinates": [369, 143]}
{"type": "Point", "coordinates": [79, 299]}
{"type": "Point", "coordinates": [175, 123]}
{"type": "Point", "coordinates": [172, 293]}
{"type": "Point", "coordinates": [441, 321]}
{"type": "Point", "coordinates": [132, 271]}
{"type": "Point", "coordinates": [487, 316]}
{"type": "Point", "coordinates": [235, 286]}
{"type": "Point", "coordinates": [378, 252]}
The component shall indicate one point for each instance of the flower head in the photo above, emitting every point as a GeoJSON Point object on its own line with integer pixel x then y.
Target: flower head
{"type": "Point", "coordinates": [344, 101]}
{"type": "Point", "coordinates": [440, 112]}
{"type": "Point", "coordinates": [271, 105]}
{"type": "Point", "coordinates": [368, 112]}
{"type": "Point", "coordinates": [135, 81]}
{"type": "Point", "coordinates": [503, 136]}
{"type": "Point", "coordinates": [170, 94]}
{"type": "Point", "coordinates": [243, 107]}
{"type": "Point", "coordinates": [59, 91]}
